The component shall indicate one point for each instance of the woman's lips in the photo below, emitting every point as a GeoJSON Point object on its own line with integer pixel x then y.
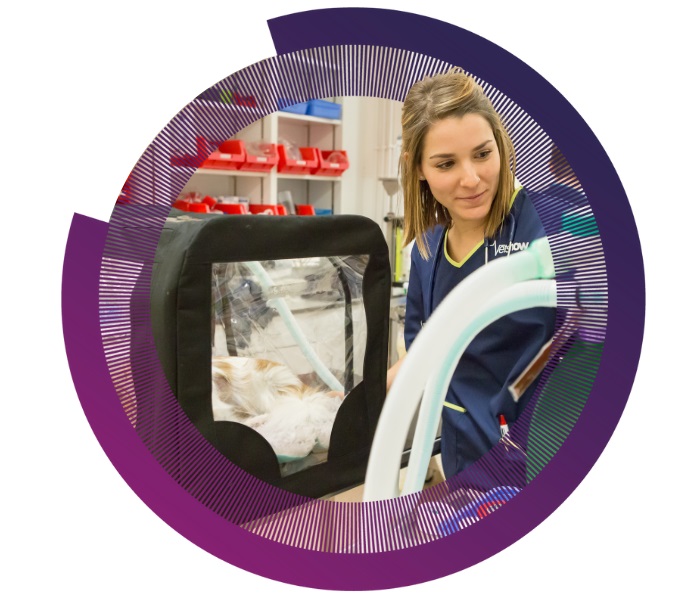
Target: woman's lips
{"type": "Point", "coordinates": [471, 198]}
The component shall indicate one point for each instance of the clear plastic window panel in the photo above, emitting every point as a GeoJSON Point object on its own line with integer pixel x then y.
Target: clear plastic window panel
{"type": "Point", "coordinates": [288, 345]}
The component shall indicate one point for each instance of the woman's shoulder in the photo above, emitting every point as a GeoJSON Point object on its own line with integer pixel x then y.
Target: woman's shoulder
{"type": "Point", "coordinates": [432, 240]}
{"type": "Point", "coordinates": [522, 199]}
{"type": "Point", "coordinates": [525, 214]}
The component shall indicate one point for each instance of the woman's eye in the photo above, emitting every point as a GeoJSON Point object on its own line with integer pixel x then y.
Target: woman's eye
{"type": "Point", "coordinates": [445, 165]}
{"type": "Point", "coordinates": [483, 154]}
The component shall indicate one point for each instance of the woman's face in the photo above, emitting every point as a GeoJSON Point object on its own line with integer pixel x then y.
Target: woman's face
{"type": "Point", "coordinates": [461, 164]}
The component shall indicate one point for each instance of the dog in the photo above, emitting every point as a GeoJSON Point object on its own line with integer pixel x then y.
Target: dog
{"type": "Point", "coordinates": [296, 419]}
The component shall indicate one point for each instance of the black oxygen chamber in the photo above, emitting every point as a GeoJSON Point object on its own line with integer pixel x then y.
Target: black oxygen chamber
{"type": "Point", "coordinates": [309, 295]}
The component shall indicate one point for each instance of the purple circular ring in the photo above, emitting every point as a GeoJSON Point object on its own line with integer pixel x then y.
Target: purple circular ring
{"type": "Point", "coordinates": [562, 474]}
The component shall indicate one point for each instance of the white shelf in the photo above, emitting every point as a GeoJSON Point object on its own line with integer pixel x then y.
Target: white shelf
{"type": "Point", "coordinates": [308, 118]}
{"type": "Point", "coordinates": [233, 173]}
{"type": "Point", "coordinates": [259, 112]}
{"type": "Point", "coordinates": [308, 177]}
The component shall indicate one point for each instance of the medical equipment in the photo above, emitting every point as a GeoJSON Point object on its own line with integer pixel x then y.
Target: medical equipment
{"type": "Point", "coordinates": [293, 326]}
{"type": "Point", "coordinates": [306, 292]}
{"type": "Point", "coordinates": [519, 281]}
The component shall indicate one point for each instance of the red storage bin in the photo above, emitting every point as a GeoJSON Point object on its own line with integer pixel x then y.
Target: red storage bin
{"type": "Point", "coordinates": [263, 162]}
{"type": "Point", "coordinates": [331, 163]}
{"type": "Point", "coordinates": [232, 209]}
{"type": "Point", "coordinates": [188, 160]}
{"type": "Point", "coordinates": [267, 209]}
{"type": "Point", "coordinates": [180, 204]}
{"type": "Point", "coordinates": [307, 163]}
{"type": "Point", "coordinates": [196, 207]}
{"type": "Point", "coordinates": [231, 155]}
{"type": "Point", "coordinates": [305, 209]}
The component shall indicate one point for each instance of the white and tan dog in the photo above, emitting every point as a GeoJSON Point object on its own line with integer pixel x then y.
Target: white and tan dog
{"type": "Point", "coordinates": [294, 418]}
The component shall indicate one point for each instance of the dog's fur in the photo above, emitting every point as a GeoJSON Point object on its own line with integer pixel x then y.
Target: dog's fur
{"type": "Point", "coordinates": [293, 417]}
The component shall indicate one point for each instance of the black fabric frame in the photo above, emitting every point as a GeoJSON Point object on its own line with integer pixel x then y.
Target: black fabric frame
{"type": "Point", "coordinates": [181, 316]}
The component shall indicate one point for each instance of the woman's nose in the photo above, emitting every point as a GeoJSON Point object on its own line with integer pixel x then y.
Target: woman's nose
{"type": "Point", "coordinates": [469, 177]}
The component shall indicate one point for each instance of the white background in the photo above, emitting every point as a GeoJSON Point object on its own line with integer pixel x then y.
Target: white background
{"type": "Point", "coordinates": [88, 85]}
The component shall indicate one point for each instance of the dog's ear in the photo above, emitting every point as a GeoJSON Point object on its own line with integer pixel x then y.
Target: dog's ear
{"type": "Point", "coordinates": [220, 385]}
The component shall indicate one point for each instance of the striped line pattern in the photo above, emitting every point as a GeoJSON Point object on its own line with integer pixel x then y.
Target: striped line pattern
{"type": "Point", "coordinates": [148, 402]}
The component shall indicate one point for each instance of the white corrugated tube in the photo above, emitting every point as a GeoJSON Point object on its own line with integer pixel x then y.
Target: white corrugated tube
{"type": "Point", "coordinates": [489, 293]}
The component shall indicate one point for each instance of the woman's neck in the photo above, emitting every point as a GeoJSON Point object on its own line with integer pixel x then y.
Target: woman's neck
{"type": "Point", "coordinates": [463, 238]}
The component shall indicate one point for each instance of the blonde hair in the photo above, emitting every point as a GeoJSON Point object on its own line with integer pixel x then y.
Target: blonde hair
{"type": "Point", "coordinates": [451, 94]}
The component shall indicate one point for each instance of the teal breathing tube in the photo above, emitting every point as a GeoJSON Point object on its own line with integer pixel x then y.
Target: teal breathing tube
{"type": "Point", "coordinates": [293, 326]}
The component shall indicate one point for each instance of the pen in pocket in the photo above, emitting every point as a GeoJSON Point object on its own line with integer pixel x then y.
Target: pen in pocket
{"type": "Point", "coordinates": [503, 424]}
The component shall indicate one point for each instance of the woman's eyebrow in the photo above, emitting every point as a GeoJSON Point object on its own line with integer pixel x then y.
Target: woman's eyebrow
{"type": "Point", "coordinates": [480, 146]}
{"type": "Point", "coordinates": [451, 154]}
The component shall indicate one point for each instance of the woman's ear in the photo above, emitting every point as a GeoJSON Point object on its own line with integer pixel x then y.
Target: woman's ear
{"type": "Point", "coordinates": [418, 169]}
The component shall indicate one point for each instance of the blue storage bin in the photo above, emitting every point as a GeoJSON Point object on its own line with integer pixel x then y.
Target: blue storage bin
{"type": "Point", "coordinates": [323, 108]}
{"type": "Point", "coordinates": [298, 109]}
{"type": "Point", "coordinates": [323, 211]}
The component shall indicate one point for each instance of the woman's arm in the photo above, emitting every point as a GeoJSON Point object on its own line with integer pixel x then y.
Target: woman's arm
{"type": "Point", "coordinates": [414, 313]}
{"type": "Point", "coordinates": [391, 373]}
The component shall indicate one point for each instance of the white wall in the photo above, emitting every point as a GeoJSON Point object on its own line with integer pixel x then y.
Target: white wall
{"type": "Point", "coordinates": [370, 129]}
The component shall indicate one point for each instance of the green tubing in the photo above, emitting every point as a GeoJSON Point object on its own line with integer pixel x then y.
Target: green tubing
{"type": "Point", "coordinates": [281, 306]}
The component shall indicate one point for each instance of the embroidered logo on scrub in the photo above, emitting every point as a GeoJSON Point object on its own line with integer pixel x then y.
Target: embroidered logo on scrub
{"type": "Point", "coordinates": [512, 247]}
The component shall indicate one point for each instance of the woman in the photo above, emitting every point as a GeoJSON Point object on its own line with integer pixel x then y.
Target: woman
{"type": "Point", "coordinates": [464, 209]}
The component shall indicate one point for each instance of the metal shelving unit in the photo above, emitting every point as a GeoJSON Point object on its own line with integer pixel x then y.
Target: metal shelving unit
{"type": "Point", "coordinates": [264, 187]}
